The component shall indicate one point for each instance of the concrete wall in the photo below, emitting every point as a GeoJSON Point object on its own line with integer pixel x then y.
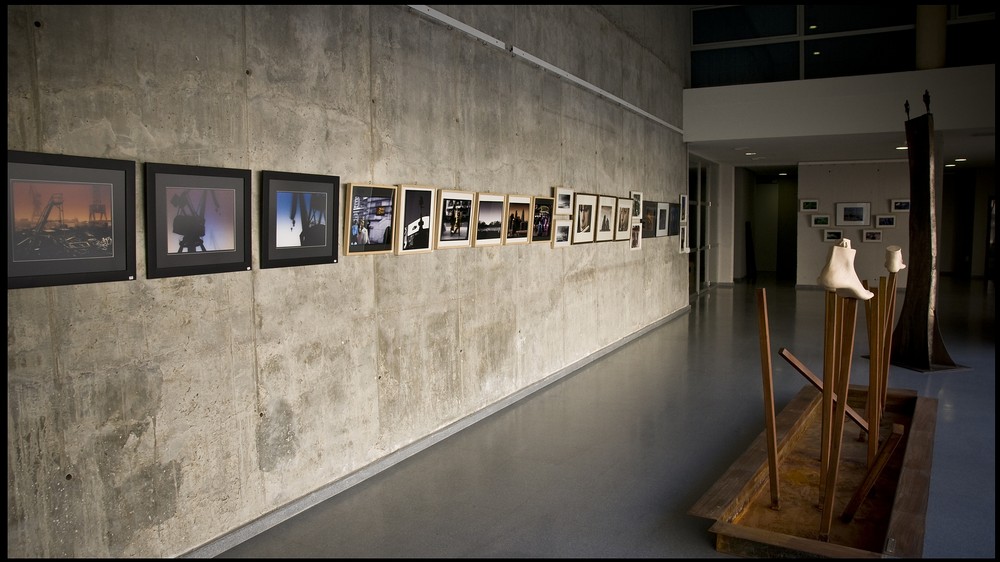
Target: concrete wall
{"type": "Point", "coordinates": [151, 417]}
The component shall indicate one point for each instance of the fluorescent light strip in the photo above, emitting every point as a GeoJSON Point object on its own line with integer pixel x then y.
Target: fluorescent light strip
{"type": "Point", "coordinates": [489, 40]}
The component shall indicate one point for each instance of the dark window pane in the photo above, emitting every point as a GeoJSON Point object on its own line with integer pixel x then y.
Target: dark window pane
{"type": "Point", "coordinates": [732, 23]}
{"type": "Point", "coordinates": [863, 54]}
{"type": "Point", "coordinates": [969, 44]}
{"type": "Point", "coordinates": [745, 65]}
{"type": "Point", "coordinates": [838, 18]}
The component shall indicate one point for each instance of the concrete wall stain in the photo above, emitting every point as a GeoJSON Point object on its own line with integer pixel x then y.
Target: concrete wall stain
{"type": "Point", "coordinates": [277, 439]}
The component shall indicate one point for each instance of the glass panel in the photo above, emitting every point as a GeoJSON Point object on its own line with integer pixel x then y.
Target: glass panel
{"type": "Point", "coordinates": [746, 65]}
{"type": "Point", "coordinates": [732, 23]}
{"type": "Point", "coordinates": [838, 18]}
{"type": "Point", "coordinates": [860, 54]}
{"type": "Point", "coordinates": [969, 44]}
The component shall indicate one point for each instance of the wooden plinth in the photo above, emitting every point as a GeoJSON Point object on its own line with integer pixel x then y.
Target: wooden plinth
{"type": "Point", "coordinates": [890, 519]}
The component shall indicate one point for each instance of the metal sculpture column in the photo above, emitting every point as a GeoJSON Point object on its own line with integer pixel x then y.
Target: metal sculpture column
{"type": "Point", "coordinates": [916, 342]}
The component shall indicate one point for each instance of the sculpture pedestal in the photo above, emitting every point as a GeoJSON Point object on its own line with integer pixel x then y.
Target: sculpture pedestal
{"type": "Point", "coordinates": [888, 523]}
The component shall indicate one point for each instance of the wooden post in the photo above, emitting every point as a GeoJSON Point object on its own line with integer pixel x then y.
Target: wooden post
{"type": "Point", "coordinates": [874, 471]}
{"type": "Point", "coordinates": [830, 354]}
{"type": "Point", "coordinates": [814, 380]}
{"type": "Point", "coordinates": [769, 415]}
{"type": "Point", "coordinates": [849, 305]}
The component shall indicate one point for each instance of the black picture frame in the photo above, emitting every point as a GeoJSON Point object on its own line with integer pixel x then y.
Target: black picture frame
{"type": "Point", "coordinates": [649, 210]}
{"type": "Point", "coordinates": [197, 220]}
{"type": "Point", "coordinates": [674, 218]}
{"type": "Point", "coordinates": [91, 237]}
{"type": "Point", "coordinates": [299, 219]}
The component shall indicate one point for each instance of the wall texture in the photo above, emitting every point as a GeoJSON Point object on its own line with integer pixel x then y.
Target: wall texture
{"type": "Point", "coordinates": [148, 418]}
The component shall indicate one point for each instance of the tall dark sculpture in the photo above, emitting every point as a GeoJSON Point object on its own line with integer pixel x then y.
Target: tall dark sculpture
{"type": "Point", "coordinates": [916, 342]}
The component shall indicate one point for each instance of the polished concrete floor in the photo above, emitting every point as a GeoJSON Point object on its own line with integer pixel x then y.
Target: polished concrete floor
{"type": "Point", "coordinates": [606, 462]}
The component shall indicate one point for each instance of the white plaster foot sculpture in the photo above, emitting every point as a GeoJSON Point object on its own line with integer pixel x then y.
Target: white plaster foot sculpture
{"type": "Point", "coordinates": [894, 259]}
{"type": "Point", "coordinates": [838, 273]}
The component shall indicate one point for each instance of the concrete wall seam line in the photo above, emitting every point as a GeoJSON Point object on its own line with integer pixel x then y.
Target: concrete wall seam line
{"type": "Point", "coordinates": [490, 40]}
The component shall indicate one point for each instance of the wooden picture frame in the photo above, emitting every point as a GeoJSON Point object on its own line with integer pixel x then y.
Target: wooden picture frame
{"type": "Point", "coordinates": [563, 200]}
{"type": "Point", "coordinates": [648, 218]}
{"type": "Point", "coordinates": [819, 221]}
{"type": "Point", "coordinates": [899, 205]}
{"type": "Point", "coordinates": [833, 235]}
{"type": "Point", "coordinates": [491, 212]}
{"type": "Point", "coordinates": [542, 211]}
{"type": "Point", "coordinates": [885, 221]}
{"type": "Point", "coordinates": [808, 205]}
{"type": "Point", "coordinates": [605, 225]}
{"type": "Point", "coordinates": [853, 214]}
{"type": "Point", "coordinates": [454, 227]}
{"type": "Point", "coordinates": [684, 208]}
{"type": "Point", "coordinates": [623, 219]}
{"type": "Point", "coordinates": [662, 226]}
{"type": "Point", "coordinates": [871, 235]}
{"type": "Point", "coordinates": [70, 220]}
{"type": "Point", "coordinates": [197, 220]}
{"type": "Point", "coordinates": [517, 227]}
{"type": "Point", "coordinates": [417, 218]}
{"type": "Point", "coordinates": [584, 218]}
{"type": "Point", "coordinates": [298, 219]}
{"type": "Point", "coordinates": [562, 232]}
{"type": "Point", "coordinates": [369, 225]}
{"type": "Point", "coordinates": [637, 199]}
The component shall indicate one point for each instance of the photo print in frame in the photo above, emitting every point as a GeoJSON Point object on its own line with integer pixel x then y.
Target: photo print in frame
{"type": "Point", "coordinates": [70, 220]}
{"type": "Point", "coordinates": [623, 219]}
{"type": "Point", "coordinates": [299, 219]}
{"type": "Point", "coordinates": [542, 219]}
{"type": "Point", "coordinates": [584, 218]}
{"type": "Point", "coordinates": [197, 220]}
{"type": "Point", "coordinates": [454, 228]}
{"type": "Point", "coordinates": [517, 229]}
{"type": "Point", "coordinates": [369, 215]}
{"type": "Point", "coordinates": [417, 216]}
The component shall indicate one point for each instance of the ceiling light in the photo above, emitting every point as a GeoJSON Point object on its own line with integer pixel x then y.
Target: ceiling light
{"type": "Point", "coordinates": [901, 147]}
{"type": "Point", "coordinates": [815, 53]}
{"type": "Point", "coordinates": [750, 154]}
{"type": "Point", "coordinates": [812, 27]}
{"type": "Point", "coordinates": [949, 165]}
{"type": "Point", "coordinates": [960, 160]}
{"type": "Point", "coordinates": [782, 173]}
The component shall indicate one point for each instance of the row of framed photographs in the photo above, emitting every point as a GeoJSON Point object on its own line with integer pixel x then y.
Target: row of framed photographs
{"type": "Point", "coordinates": [71, 219]}
{"type": "Point", "coordinates": [881, 221]}
{"type": "Point", "coordinates": [867, 235]}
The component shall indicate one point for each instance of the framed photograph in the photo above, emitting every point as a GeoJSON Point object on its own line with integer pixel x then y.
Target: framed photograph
{"type": "Point", "coordinates": [623, 219]}
{"type": "Point", "coordinates": [899, 205]}
{"type": "Point", "coordinates": [70, 220]}
{"type": "Point", "coordinates": [684, 208]}
{"type": "Point", "coordinates": [197, 220]}
{"type": "Point", "coordinates": [489, 219]}
{"type": "Point", "coordinates": [885, 221]}
{"type": "Point", "coordinates": [808, 205]}
{"type": "Point", "coordinates": [871, 235]}
{"type": "Point", "coordinates": [298, 219]}
{"type": "Point", "coordinates": [564, 200]}
{"type": "Point", "coordinates": [562, 232]}
{"type": "Point", "coordinates": [649, 218]}
{"type": "Point", "coordinates": [674, 211]}
{"type": "Point", "coordinates": [853, 214]}
{"type": "Point", "coordinates": [685, 246]}
{"type": "Point", "coordinates": [518, 227]}
{"type": "Point", "coordinates": [541, 219]}
{"type": "Point", "coordinates": [636, 197]}
{"type": "Point", "coordinates": [662, 219]}
{"type": "Point", "coordinates": [606, 206]}
{"type": "Point", "coordinates": [455, 211]}
{"type": "Point", "coordinates": [584, 218]}
{"type": "Point", "coordinates": [417, 218]}
{"type": "Point", "coordinates": [830, 235]}
{"type": "Point", "coordinates": [635, 236]}
{"type": "Point", "coordinates": [819, 221]}
{"type": "Point", "coordinates": [371, 210]}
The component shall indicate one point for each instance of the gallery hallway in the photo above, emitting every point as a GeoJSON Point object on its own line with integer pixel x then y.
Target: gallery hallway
{"type": "Point", "coordinates": [606, 462]}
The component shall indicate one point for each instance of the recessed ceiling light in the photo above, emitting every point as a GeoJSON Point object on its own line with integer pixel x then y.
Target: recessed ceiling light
{"type": "Point", "coordinates": [815, 53]}
{"type": "Point", "coordinates": [782, 173]}
{"type": "Point", "coordinates": [949, 165]}
{"type": "Point", "coordinates": [901, 148]}
{"type": "Point", "coordinates": [750, 153]}
{"type": "Point", "coordinates": [960, 160]}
